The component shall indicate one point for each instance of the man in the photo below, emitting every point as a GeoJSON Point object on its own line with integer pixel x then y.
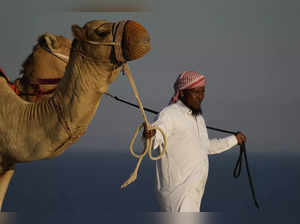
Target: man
{"type": "Point", "coordinates": [182, 172]}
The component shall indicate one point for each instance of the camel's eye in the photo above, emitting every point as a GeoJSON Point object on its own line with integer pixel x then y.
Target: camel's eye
{"type": "Point", "coordinates": [104, 30]}
{"type": "Point", "coordinates": [102, 34]}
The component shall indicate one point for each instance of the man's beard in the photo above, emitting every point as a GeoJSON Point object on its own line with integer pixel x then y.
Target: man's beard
{"type": "Point", "coordinates": [196, 112]}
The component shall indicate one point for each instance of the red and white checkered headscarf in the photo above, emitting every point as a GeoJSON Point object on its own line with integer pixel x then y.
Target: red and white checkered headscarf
{"type": "Point", "coordinates": [187, 80]}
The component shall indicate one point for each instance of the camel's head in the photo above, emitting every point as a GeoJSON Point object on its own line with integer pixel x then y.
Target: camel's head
{"type": "Point", "coordinates": [118, 42]}
{"type": "Point", "coordinates": [58, 45]}
{"type": "Point", "coordinates": [51, 52]}
{"type": "Point", "coordinates": [48, 60]}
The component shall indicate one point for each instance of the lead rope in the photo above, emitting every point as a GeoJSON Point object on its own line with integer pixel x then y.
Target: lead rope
{"type": "Point", "coordinates": [237, 171]}
{"type": "Point", "coordinates": [148, 142]}
{"type": "Point", "coordinates": [238, 166]}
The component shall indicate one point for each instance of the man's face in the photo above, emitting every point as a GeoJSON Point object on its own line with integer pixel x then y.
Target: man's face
{"type": "Point", "coordinates": [193, 98]}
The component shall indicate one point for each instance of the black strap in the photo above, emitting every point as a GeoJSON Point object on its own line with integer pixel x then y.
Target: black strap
{"type": "Point", "coordinates": [237, 171]}
{"type": "Point", "coordinates": [238, 166]}
{"type": "Point", "coordinates": [3, 75]}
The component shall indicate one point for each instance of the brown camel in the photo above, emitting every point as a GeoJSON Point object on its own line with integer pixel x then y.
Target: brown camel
{"type": "Point", "coordinates": [43, 68]}
{"type": "Point", "coordinates": [98, 51]}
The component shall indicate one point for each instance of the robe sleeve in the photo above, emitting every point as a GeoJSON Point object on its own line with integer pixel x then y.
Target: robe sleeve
{"type": "Point", "coordinates": [218, 145]}
{"type": "Point", "coordinates": [164, 121]}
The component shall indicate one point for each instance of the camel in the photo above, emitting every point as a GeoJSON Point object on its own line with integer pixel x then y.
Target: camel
{"type": "Point", "coordinates": [43, 68]}
{"type": "Point", "coordinates": [99, 50]}
{"type": "Point", "coordinates": [41, 72]}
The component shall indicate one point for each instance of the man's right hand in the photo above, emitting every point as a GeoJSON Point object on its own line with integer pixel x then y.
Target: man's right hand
{"type": "Point", "coordinates": [148, 133]}
{"type": "Point", "coordinates": [241, 138]}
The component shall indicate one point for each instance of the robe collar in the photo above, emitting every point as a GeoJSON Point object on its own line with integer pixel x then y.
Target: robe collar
{"type": "Point", "coordinates": [183, 107]}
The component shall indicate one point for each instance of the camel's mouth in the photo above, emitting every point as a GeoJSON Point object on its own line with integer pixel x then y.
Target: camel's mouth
{"type": "Point", "coordinates": [135, 41]}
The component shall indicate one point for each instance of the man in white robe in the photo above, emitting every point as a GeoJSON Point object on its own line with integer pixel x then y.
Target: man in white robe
{"type": "Point", "coordinates": [182, 172]}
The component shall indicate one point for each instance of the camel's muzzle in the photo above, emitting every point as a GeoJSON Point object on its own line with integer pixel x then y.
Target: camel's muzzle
{"type": "Point", "coordinates": [130, 41]}
{"type": "Point", "coordinates": [134, 41]}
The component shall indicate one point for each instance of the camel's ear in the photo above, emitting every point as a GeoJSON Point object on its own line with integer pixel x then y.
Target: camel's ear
{"type": "Point", "coordinates": [49, 40]}
{"type": "Point", "coordinates": [78, 32]}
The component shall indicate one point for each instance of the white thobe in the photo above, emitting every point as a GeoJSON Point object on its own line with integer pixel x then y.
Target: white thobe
{"type": "Point", "coordinates": [182, 172]}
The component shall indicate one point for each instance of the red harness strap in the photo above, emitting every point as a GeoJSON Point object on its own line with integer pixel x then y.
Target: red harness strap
{"type": "Point", "coordinates": [14, 88]}
{"type": "Point", "coordinates": [48, 81]}
{"type": "Point", "coordinates": [38, 92]}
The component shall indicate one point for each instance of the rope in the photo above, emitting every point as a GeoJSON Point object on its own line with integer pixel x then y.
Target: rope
{"type": "Point", "coordinates": [238, 167]}
{"type": "Point", "coordinates": [148, 142]}
{"type": "Point", "coordinates": [237, 171]}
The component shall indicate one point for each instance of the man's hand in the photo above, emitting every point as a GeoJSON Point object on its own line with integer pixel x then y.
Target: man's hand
{"type": "Point", "coordinates": [241, 138]}
{"type": "Point", "coordinates": [148, 133]}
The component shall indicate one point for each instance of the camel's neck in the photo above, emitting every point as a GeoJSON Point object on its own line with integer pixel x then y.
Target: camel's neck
{"type": "Point", "coordinates": [44, 127]}
{"type": "Point", "coordinates": [81, 89]}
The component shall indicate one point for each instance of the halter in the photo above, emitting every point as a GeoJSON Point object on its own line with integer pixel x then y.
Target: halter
{"type": "Point", "coordinates": [118, 30]}
{"type": "Point", "coordinates": [60, 56]}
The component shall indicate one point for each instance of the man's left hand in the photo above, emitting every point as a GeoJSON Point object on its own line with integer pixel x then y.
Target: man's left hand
{"type": "Point", "coordinates": [241, 138]}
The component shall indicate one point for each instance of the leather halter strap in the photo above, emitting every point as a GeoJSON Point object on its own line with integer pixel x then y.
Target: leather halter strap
{"type": "Point", "coordinates": [118, 31]}
{"type": "Point", "coordinates": [60, 56]}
